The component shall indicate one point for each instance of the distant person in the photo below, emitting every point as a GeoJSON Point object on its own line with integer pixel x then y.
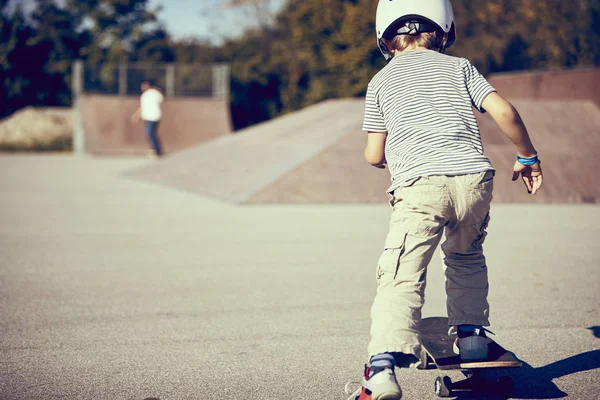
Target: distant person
{"type": "Point", "coordinates": [150, 112]}
{"type": "Point", "coordinates": [421, 124]}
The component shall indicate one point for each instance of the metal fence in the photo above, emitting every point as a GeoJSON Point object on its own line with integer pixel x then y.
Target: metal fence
{"type": "Point", "coordinates": [174, 79]}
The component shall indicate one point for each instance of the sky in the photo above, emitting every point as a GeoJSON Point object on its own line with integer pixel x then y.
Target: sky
{"type": "Point", "coordinates": [204, 19]}
{"type": "Point", "coordinates": [200, 19]}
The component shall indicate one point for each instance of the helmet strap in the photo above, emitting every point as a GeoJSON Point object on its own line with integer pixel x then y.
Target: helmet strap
{"type": "Point", "coordinates": [444, 41]}
{"type": "Point", "coordinates": [386, 52]}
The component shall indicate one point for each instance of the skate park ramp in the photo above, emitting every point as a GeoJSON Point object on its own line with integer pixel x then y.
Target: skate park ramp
{"type": "Point", "coordinates": [566, 134]}
{"type": "Point", "coordinates": [240, 168]}
{"type": "Point", "coordinates": [316, 156]}
{"type": "Point", "coordinates": [107, 126]}
{"type": "Point", "coordinates": [574, 84]}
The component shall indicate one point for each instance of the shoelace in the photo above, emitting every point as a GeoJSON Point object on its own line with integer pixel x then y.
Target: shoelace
{"type": "Point", "coordinates": [356, 393]}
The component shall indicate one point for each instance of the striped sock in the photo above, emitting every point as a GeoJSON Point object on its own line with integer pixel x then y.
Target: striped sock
{"type": "Point", "coordinates": [381, 361]}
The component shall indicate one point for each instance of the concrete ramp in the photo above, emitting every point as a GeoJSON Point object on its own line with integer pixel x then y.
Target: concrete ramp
{"type": "Point", "coordinates": [567, 84]}
{"type": "Point", "coordinates": [316, 156]}
{"type": "Point", "coordinates": [235, 168]}
{"type": "Point", "coordinates": [566, 133]}
{"type": "Point", "coordinates": [107, 128]}
{"type": "Point", "coordinates": [338, 174]}
{"type": "Point", "coordinates": [567, 137]}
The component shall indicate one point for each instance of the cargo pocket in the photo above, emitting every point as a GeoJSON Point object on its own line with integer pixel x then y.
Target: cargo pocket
{"type": "Point", "coordinates": [485, 184]}
{"type": "Point", "coordinates": [482, 232]}
{"type": "Point", "coordinates": [389, 262]}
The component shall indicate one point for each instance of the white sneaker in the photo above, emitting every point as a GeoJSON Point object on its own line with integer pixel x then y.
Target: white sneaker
{"type": "Point", "coordinates": [381, 386]}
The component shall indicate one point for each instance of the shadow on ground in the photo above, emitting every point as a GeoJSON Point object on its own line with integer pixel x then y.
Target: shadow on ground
{"type": "Point", "coordinates": [595, 330]}
{"type": "Point", "coordinates": [536, 383]}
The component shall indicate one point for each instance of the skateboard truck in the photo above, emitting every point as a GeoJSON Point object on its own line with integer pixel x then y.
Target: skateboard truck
{"type": "Point", "coordinates": [475, 381]}
{"type": "Point", "coordinates": [439, 347]}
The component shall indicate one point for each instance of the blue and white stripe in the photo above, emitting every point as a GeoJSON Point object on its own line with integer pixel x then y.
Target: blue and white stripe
{"type": "Point", "coordinates": [424, 101]}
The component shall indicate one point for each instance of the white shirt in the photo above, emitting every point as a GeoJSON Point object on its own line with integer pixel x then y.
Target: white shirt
{"type": "Point", "coordinates": [150, 103]}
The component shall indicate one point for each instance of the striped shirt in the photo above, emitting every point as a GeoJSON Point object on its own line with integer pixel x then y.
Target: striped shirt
{"type": "Point", "coordinates": [424, 100]}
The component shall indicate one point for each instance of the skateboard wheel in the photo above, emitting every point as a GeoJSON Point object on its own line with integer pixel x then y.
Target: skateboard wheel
{"type": "Point", "coordinates": [443, 386]}
{"type": "Point", "coordinates": [506, 386]}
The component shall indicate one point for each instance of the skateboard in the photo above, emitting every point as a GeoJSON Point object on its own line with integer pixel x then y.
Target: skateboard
{"type": "Point", "coordinates": [438, 345]}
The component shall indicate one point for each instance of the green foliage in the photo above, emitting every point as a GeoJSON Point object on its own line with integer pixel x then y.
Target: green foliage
{"type": "Point", "coordinates": [56, 44]}
{"type": "Point", "coordinates": [510, 35]}
{"type": "Point", "coordinates": [38, 49]}
{"type": "Point", "coordinates": [310, 51]}
{"type": "Point", "coordinates": [114, 26]}
{"type": "Point", "coordinates": [154, 45]}
{"type": "Point", "coordinates": [22, 61]}
{"type": "Point", "coordinates": [321, 49]}
{"type": "Point", "coordinates": [118, 31]}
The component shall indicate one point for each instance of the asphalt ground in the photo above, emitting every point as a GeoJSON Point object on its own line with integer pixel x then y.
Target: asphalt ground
{"type": "Point", "coordinates": [112, 288]}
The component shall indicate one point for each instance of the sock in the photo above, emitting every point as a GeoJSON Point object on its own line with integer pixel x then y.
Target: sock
{"type": "Point", "coordinates": [381, 361]}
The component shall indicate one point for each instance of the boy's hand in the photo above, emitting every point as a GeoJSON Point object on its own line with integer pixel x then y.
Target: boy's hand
{"type": "Point", "coordinates": [136, 116]}
{"type": "Point", "coordinates": [531, 174]}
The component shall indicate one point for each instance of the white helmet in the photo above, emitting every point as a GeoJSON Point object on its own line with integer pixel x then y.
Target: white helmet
{"type": "Point", "coordinates": [404, 16]}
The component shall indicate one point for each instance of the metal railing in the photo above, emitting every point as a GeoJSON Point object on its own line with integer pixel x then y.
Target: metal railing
{"type": "Point", "coordinates": [125, 79]}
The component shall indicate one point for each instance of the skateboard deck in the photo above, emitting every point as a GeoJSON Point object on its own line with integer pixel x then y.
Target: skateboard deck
{"type": "Point", "coordinates": [439, 348]}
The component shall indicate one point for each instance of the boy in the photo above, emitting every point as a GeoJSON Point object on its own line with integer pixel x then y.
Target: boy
{"type": "Point", "coordinates": [150, 112]}
{"type": "Point", "coordinates": [420, 122]}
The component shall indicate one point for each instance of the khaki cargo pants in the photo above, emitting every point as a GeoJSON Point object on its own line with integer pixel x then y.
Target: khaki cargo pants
{"type": "Point", "coordinates": [423, 210]}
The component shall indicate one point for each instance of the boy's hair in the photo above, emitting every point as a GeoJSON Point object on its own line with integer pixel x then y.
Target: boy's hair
{"type": "Point", "coordinates": [429, 40]}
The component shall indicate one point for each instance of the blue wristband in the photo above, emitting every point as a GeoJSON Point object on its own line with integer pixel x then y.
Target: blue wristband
{"type": "Point", "coordinates": [527, 161]}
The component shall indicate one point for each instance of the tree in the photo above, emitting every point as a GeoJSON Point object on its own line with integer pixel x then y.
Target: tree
{"type": "Point", "coordinates": [56, 43]}
{"type": "Point", "coordinates": [593, 37]}
{"type": "Point", "coordinates": [117, 29]}
{"type": "Point", "coordinates": [154, 45]}
{"type": "Point", "coordinates": [331, 49]}
{"type": "Point", "coordinates": [310, 50]}
{"type": "Point", "coordinates": [114, 26]}
{"type": "Point", "coordinates": [508, 35]}
{"type": "Point", "coordinates": [16, 69]}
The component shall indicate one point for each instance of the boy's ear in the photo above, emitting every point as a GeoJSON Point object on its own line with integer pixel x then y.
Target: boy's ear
{"type": "Point", "coordinates": [388, 46]}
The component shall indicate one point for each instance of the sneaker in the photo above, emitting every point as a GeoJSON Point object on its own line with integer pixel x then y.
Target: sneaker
{"type": "Point", "coordinates": [471, 345]}
{"type": "Point", "coordinates": [382, 385]}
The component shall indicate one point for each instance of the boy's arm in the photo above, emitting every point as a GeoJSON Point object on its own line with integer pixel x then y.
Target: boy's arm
{"type": "Point", "coordinates": [136, 116]}
{"type": "Point", "coordinates": [510, 122]}
{"type": "Point", "coordinates": [375, 150]}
